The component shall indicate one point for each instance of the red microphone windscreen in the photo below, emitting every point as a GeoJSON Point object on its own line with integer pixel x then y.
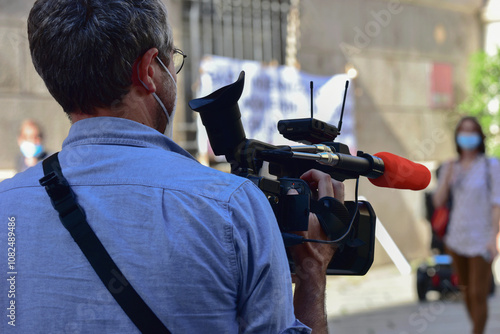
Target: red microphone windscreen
{"type": "Point", "coordinates": [401, 173]}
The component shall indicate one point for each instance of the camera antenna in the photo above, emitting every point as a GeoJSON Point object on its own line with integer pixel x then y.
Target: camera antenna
{"type": "Point", "coordinates": [311, 87]}
{"type": "Point", "coordinates": [343, 105]}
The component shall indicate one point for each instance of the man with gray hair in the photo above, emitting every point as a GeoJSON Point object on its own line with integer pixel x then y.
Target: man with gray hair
{"type": "Point", "coordinates": [200, 247]}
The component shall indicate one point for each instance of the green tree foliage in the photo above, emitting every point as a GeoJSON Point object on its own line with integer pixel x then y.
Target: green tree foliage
{"type": "Point", "coordinates": [483, 101]}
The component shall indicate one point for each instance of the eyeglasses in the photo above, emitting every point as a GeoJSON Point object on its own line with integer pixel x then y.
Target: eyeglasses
{"type": "Point", "coordinates": [178, 59]}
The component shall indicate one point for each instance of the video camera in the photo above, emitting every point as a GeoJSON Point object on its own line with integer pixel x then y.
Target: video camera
{"type": "Point", "coordinates": [351, 227]}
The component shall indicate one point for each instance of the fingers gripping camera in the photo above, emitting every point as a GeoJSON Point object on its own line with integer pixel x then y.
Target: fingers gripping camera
{"type": "Point", "coordinates": [332, 215]}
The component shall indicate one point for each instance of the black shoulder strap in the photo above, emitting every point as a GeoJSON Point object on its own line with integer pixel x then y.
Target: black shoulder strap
{"type": "Point", "coordinates": [73, 218]}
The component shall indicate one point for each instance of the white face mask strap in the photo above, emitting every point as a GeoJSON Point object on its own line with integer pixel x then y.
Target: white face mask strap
{"type": "Point", "coordinates": [166, 70]}
{"type": "Point", "coordinates": [162, 106]}
{"type": "Point", "coordinates": [154, 94]}
{"type": "Point", "coordinates": [170, 126]}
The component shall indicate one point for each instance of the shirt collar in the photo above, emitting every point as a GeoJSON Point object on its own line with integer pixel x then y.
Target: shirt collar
{"type": "Point", "coordinates": [118, 131]}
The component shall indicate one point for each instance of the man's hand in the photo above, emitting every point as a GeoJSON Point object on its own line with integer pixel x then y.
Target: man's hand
{"type": "Point", "coordinates": [323, 185]}
{"type": "Point", "coordinates": [312, 259]}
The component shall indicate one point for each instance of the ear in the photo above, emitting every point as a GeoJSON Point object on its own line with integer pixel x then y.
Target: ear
{"type": "Point", "coordinates": [143, 71]}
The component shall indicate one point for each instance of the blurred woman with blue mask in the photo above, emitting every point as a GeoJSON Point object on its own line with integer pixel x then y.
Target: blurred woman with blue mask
{"type": "Point", "coordinates": [471, 238]}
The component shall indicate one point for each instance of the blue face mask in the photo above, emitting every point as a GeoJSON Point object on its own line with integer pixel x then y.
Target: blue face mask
{"type": "Point", "coordinates": [31, 150]}
{"type": "Point", "coordinates": [468, 141]}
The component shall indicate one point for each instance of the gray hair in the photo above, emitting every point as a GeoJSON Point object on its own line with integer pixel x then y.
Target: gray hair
{"type": "Point", "coordinates": [84, 50]}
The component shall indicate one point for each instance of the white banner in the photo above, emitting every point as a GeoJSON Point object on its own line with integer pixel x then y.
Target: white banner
{"type": "Point", "coordinates": [274, 93]}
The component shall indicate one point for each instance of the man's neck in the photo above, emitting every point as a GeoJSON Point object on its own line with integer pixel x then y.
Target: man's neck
{"type": "Point", "coordinates": [134, 106]}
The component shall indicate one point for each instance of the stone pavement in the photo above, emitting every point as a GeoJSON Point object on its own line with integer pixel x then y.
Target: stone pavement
{"type": "Point", "coordinates": [385, 302]}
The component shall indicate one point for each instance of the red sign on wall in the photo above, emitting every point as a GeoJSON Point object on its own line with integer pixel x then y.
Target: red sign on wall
{"type": "Point", "coordinates": [441, 86]}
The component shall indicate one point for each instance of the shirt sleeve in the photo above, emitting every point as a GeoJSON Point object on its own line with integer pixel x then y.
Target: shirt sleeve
{"type": "Point", "coordinates": [494, 171]}
{"type": "Point", "coordinates": [297, 328]}
{"type": "Point", "coordinates": [265, 299]}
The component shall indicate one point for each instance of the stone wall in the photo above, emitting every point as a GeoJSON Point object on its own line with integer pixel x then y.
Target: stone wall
{"type": "Point", "coordinates": [22, 92]}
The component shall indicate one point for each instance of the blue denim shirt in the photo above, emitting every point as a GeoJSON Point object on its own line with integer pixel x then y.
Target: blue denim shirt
{"type": "Point", "coordinates": [200, 246]}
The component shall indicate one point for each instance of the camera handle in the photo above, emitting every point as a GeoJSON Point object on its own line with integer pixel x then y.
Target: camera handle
{"type": "Point", "coordinates": [332, 215]}
{"type": "Point", "coordinates": [292, 210]}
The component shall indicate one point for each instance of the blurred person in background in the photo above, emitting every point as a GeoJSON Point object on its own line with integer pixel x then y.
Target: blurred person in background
{"type": "Point", "coordinates": [471, 237]}
{"type": "Point", "coordinates": [30, 141]}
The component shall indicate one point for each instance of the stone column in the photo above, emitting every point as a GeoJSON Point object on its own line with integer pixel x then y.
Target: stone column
{"type": "Point", "coordinates": [491, 21]}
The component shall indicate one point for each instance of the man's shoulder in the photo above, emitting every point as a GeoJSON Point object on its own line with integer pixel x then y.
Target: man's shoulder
{"type": "Point", "coordinates": [27, 178]}
{"type": "Point", "coordinates": [213, 183]}
{"type": "Point", "coordinates": [196, 179]}
{"type": "Point", "coordinates": [108, 165]}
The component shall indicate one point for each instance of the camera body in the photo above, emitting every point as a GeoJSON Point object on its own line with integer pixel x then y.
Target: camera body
{"type": "Point", "coordinates": [352, 225]}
